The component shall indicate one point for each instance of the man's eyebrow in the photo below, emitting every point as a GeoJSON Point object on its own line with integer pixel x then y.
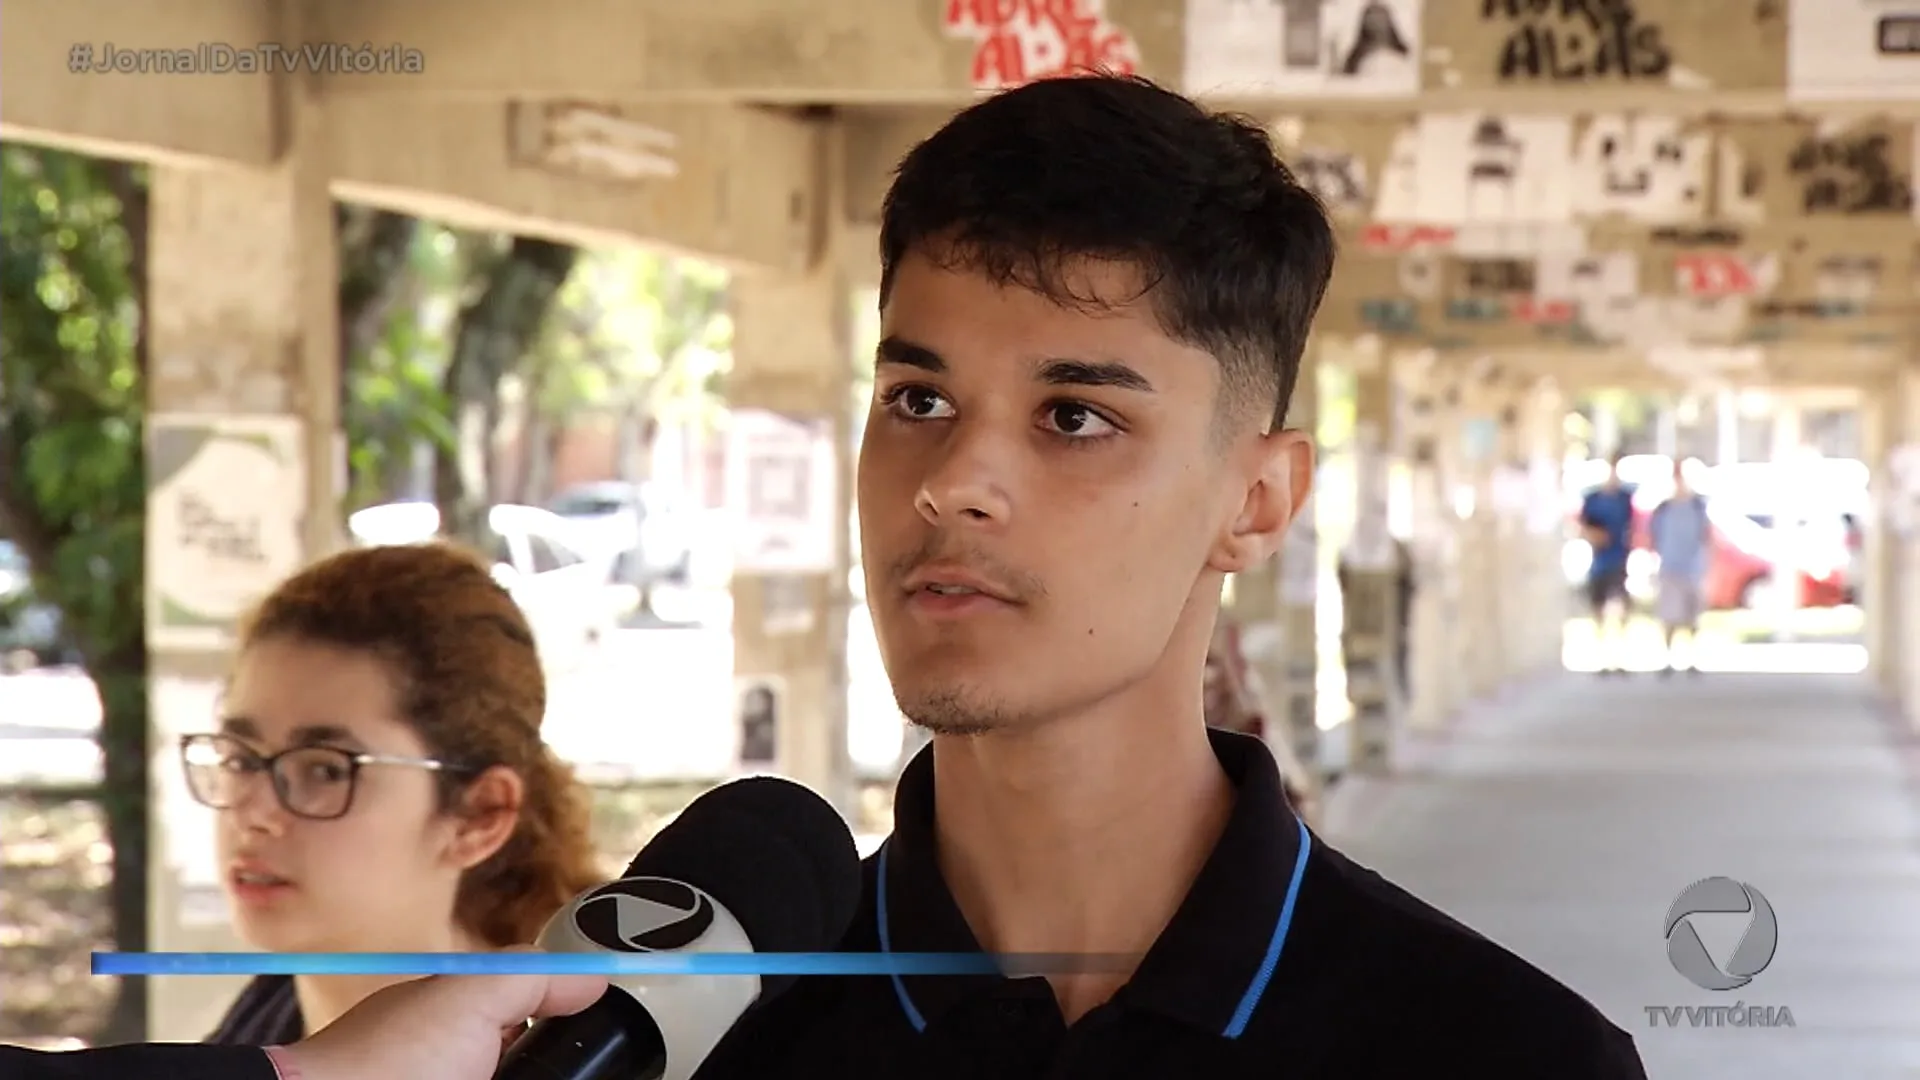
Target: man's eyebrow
{"type": "Point", "coordinates": [895, 350]}
{"type": "Point", "coordinates": [1053, 372]}
{"type": "Point", "coordinates": [1093, 373]}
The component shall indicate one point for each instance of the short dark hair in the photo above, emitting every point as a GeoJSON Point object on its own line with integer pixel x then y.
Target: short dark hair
{"type": "Point", "coordinates": [1235, 252]}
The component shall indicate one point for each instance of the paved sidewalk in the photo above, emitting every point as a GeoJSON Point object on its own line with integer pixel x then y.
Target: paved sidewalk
{"type": "Point", "coordinates": [1564, 821]}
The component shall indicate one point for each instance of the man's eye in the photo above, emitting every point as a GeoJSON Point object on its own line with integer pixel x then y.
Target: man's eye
{"type": "Point", "coordinates": [1077, 421]}
{"type": "Point", "coordinates": [918, 403]}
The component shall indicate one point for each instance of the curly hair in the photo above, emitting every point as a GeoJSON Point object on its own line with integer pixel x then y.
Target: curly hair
{"type": "Point", "coordinates": [470, 684]}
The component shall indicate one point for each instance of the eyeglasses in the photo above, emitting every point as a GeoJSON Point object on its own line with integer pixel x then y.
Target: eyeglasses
{"type": "Point", "coordinates": [312, 782]}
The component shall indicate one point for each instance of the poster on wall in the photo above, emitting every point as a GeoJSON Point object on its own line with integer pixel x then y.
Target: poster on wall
{"type": "Point", "coordinates": [1313, 48]}
{"type": "Point", "coordinates": [781, 492]}
{"type": "Point", "coordinates": [223, 521]}
{"type": "Point", "coordinates": [1495, 168]}
{"type": "Point", "coordinates": [1652, 169]}
{"type": "Point", "coordinates": [757, 722]}
{"type": "Point", "coordinates": [1849, 50]}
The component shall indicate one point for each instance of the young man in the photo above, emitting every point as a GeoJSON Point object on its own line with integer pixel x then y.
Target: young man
{"type": "Point", "coordinates": [1682, 537]}
{"type": "Point", "coordinates": [1606, 519]}
{"type": "Point", "coordinates": [1094, 299]}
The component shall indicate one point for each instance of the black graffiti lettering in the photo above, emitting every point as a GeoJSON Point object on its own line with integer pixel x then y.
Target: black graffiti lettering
{"type": "Point", "coordinates": [1850, 175]}
{"type": "Point", "coordinates": [1704, 236]}
{"type": "Point", "coordinates": [1500, 276]}
{"type": "Point", "coordinates": [1577, 41]}
{"type": "Point", "coordinates": [202, 526]}
{"type": "Point", "coordinates": [1807, 309]}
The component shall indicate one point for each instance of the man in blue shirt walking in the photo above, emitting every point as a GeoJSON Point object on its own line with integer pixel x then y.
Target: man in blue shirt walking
{"type": "Point", "coordinates": [1682, 537]}
{"type": "Point", "coordinates": [1606, 519]}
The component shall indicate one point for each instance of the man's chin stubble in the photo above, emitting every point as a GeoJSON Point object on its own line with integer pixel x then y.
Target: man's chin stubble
{"type": "Point", "coordinates": [952, 713]}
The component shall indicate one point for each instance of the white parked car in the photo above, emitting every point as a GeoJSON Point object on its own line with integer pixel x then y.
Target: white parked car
{"type": "Point", "coordinates": [536, 557]}
{"type": "Point", "coordinates": [641, 527]}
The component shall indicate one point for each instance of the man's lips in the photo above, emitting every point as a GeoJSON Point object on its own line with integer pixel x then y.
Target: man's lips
{"type": "Point", "coordinates": [952, 579]}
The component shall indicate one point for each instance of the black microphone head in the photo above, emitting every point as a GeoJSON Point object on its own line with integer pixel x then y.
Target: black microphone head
{"type": "Point", "coordinates": [771, 852]}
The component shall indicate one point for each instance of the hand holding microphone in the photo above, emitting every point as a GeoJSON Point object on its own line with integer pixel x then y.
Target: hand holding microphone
{"type": "Point", "coordinates": [439, 1028]}
{"type": "Point", "coordinates": [758, 865]}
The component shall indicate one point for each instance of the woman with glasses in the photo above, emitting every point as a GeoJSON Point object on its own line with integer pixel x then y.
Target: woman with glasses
{"type": "Point", "coordinates": [380, 778]}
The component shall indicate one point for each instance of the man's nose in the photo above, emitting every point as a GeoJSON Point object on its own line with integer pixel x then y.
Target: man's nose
{"type": "Point", "coordinates": [969, 482]}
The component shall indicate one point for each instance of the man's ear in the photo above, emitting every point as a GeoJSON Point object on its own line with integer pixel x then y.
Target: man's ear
{"type": "Point", "coordinates": [1279, 474]}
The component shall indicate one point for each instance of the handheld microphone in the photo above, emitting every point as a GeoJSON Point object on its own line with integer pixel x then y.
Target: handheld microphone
{"type": "Point", "coordinates": [757, 865]}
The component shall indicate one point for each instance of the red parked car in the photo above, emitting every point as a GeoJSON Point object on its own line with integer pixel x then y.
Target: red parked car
{"type": "Point", "coordinates": [1742, 559]}
{"type": "Point", "coordinates": [1741, 562]}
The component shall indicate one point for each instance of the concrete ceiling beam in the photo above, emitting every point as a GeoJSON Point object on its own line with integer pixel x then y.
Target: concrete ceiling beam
{"type": "Point", "coordinates": [177, 117]}
{"type": "Point", "coordinates": [748, 186]}
{"type": "Point", "coordinates": [741, 185]}
{"type": "Point", "coordinates": [1463, 55]}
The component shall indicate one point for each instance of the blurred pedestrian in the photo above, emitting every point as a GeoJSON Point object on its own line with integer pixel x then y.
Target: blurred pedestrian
{"type": "Point", "coordinates": [1682, 537]}
{"type": "Point", "coordinates": [1606, 520]}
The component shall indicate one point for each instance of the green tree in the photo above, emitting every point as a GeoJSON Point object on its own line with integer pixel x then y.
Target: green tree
{"type": "Point", "coordinates": [72, 479]}
{"type": "Point", "coordinates": [392, 400]}
{"type": "Point", "coordinates": [511, 291]}
{"type": "Point", "coordinates": [637, 336]}
{"type": "Point", "coordinates": [73, 361]}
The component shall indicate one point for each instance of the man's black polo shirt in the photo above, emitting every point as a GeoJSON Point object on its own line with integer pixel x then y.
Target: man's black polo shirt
{"type": "Point", "coordinates": [1285, 960]}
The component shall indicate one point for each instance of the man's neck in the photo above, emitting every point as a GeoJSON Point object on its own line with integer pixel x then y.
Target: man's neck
{"type": "Point", "coordinates": [1082, 836]}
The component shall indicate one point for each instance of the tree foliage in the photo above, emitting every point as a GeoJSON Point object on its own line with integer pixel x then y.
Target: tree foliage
{"type": "Point", "coordinates": [72, 467]}
{"type": "Point", "coordinates": [433, 323]}
{"type": "Point", "coordinates": [511, 294]}
{"type": "Point", "coordinates": [73, 486]}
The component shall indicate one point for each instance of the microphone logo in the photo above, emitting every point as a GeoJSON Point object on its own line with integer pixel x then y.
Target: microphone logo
{"type": "Point", "coordinates": [643, 915]}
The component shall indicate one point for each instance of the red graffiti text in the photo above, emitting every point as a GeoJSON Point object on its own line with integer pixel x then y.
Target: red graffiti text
{"type": "Point", "coordinates": [1019, 41]}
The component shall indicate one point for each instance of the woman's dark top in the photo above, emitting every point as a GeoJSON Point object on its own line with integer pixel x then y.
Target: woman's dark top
{"type": "Point", "coordinates": [265, 1014]}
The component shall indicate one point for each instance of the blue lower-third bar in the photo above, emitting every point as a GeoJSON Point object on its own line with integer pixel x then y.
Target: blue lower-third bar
{"type": "Point", "coordinates": [605, 964]}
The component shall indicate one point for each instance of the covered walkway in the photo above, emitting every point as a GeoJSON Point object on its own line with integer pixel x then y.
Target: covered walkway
{"type": "Point", "coordinates": [1731, 217]}
{"type": "Point", "coordinates": [1565, 819]}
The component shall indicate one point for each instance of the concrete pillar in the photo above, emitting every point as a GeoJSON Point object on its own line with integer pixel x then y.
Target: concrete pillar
{"type": "Point", "coordinates": [1788, 505]}
{"type": "Point", "coordinates": [790, 489]}
{"type": "Point", "coordinates": [1726, 427]}
{"type": "Point", "coordinates": [1422, 427]}
{"type": "Point", "coordinates": [1546, 446]}
{"type": "Point", "coordinates": [1505, 506]}
{"type": "Point", "coordinates": [1484, 584]}
{"type": "Point", "coordinates": [1443, 642]}
{"type": "Point", "coordinates": [1524, 530]}
{"type": "Point", "coordinates": [1667, 430]}
{"type": "Point", "coordinates": [1879, 562]}
{"type": "Point", "coordinates": [789, 468]}
{"type": "Point", "coordinates": [244, 477]}
{"type": "Point", "coordinates": [1606, 431]}
{"type": "Point", "coordinates": [1899, 508]}
{"type": "Point", "coordinates": [1369, 565]}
